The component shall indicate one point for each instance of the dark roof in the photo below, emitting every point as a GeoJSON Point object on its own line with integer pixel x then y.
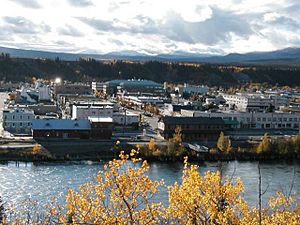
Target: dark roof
{"type": "Point", "coordinates": [191, 120]}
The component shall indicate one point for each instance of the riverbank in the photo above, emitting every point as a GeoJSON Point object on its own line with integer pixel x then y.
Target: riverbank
{"type": "Point", "coordinates": [103, 150]}
{"type": "Point", "coordinates": [91, 154]}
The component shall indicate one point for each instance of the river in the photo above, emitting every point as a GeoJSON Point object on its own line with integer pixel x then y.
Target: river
{"type": "Point", "coordinates": [42, 181]}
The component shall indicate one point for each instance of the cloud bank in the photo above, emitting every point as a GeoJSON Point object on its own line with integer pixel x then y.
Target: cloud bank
{"type": "Point", "coordinates": [150, 26]}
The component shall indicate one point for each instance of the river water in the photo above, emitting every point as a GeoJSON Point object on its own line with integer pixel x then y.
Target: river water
{"type": "Point", "coordinates": [40, 182]}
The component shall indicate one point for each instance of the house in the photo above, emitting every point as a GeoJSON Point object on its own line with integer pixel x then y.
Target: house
{"type": "Point", "coordinates": [91, 128]}
{"type": "Point", "coordinates": [18, 120]}
{"type": "Point", "coordinates": [60, 129]}
{"type": "Point", "coordinates": [193, 128]}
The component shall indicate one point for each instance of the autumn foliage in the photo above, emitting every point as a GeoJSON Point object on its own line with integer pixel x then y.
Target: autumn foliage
{"type": "Point", "coordinates": [123, 193]}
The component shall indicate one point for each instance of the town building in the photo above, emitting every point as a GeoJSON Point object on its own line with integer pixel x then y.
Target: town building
{"type": "Point", "coordinates": [99, 87]}
{"type": "Point", "coordinates": [188, 89]}
{"type": "Point", "coordinates": [60, 129]}
{"type": "Point", "coordinates": [170, 109]}
{"type": "Point", "coordinates": [126, 119]}
{"type": "Point", "coordinates": [254, 102]}
{"type": "Point", "coordinates": [252, 120]}
{"type": "Point", "coordinates": [85, 111]}
{"type": "Point", "coordinates": [91, 128]}
{"type": "Point", "coordinates": [193, 128]}
{"type": "Point", "coordinates": [29, 94]}
{"type": "Point", "coordinates": [18, 120]}
{"type": "Point", "coordinates": [101, 128]}
{"type": "Point", "coordinates": [44, 92]}
{"type": "Point", "coordinates": [72, 88]}
{"type": "Point", "coordinates": [134, 86]}
{"type": "Point", "coordinates": [43, 109]}
{"type": "Point", "coordinates": [141, 101]}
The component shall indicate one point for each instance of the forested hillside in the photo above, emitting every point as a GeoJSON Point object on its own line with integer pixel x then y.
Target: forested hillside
{"type": "Point", "coordinates": [16, 69]}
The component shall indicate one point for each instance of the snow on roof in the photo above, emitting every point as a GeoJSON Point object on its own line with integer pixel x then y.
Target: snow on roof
{"type": "Point", "coordinates": [60, 124]}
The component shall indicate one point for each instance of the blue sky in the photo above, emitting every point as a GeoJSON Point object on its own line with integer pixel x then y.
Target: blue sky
{"type": "Point", "coordinates": [150, 26]}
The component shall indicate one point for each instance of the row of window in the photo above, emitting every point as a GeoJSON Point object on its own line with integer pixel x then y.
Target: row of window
{"type": "Point", "coordinates": [264, 119]}
{"type": "Point", "coordinates": [19, 117]}
{"type": "Point", "coordinates": [200, 126]}
{"type": "Point", "coordinates": [21, 124]}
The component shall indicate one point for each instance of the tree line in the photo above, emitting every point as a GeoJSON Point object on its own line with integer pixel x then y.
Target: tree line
{"type": "Point", "coordinates": [17, 69]}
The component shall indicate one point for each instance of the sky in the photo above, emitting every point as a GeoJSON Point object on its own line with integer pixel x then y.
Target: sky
{"type": "Point", "coordinates": [150, 26]}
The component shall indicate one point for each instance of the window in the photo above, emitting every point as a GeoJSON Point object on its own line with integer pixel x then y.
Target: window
{"type": "Point", "coordinates": [21, 124]}
{"type": "Point", "coordinates": [21, 117]}
{"type": "Point", "coordinates": [13, 124]}
{"type": "Point", "coordinates": [13, 117]}
{"type": "Point", "coordinates": [28, 124]}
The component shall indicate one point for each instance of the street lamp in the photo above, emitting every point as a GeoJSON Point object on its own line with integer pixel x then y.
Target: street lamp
{"type": "Point", "coordinates": [57, 80]}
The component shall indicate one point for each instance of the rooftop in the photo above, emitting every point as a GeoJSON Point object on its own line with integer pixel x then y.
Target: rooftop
{"type": "Point", "coordinates": [100, 119]}
{"type": "Point", "coordinates": [60, 124]}
{"type": "Point", "coordinates": [134, 82]}
{"type": "Point", "coordinates": [191, 120]}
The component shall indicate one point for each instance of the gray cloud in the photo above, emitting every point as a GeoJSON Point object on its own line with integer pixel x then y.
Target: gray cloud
{"type": "Point", "coordinates": [286, 23]}
{"type": "Point", "coordinates": [81, 3]}
{"type": "Point", "coordinates": [70, 31]}
{"type": "Point", "coordinates": [98, 24]}
{"type": "Point", "coordinates": [21, 25]}
{"type": "Point", "coordinates": [216, 29]}
{"type": "Point", "coordinates": [115, 41]}
{"type": "Point", "coordinates": [28, 3]}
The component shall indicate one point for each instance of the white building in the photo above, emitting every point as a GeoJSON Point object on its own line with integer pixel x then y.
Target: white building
{"type": "Point", "coordinates": [255, 120]}
{"type": "Point", "coordinates": [18, 120]}
{"type": "Point", "coordinates": [99, 86]}
{"type": "Point", "coordinates": [126, 118]}
{"type": "Point", "coordinates": [85, 111]}
{"type": "Point", "coordinates": [192, 89]}
{"type": "Point", "coordinates": [144, 100]}
{"type": "Point", "coordinates": [44, 92]}
{"type": "Point", "coordinates": [256, 102]}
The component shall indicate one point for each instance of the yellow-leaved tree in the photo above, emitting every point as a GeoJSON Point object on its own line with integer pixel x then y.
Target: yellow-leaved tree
{"type": "Point", "coordinates": [224, 143]}
{"type": "Point", "coordinates": [205, 199]}
{"type": "Point", "coordinates": [174, 147]}
{"type": "Point", "coordinates": [264, 145]}
{"type": "Point", "coordinates": [121, 195]}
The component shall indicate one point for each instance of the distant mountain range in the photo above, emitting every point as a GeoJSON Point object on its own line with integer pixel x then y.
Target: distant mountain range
{"type": "Point", "coordinates": [283, 56]}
